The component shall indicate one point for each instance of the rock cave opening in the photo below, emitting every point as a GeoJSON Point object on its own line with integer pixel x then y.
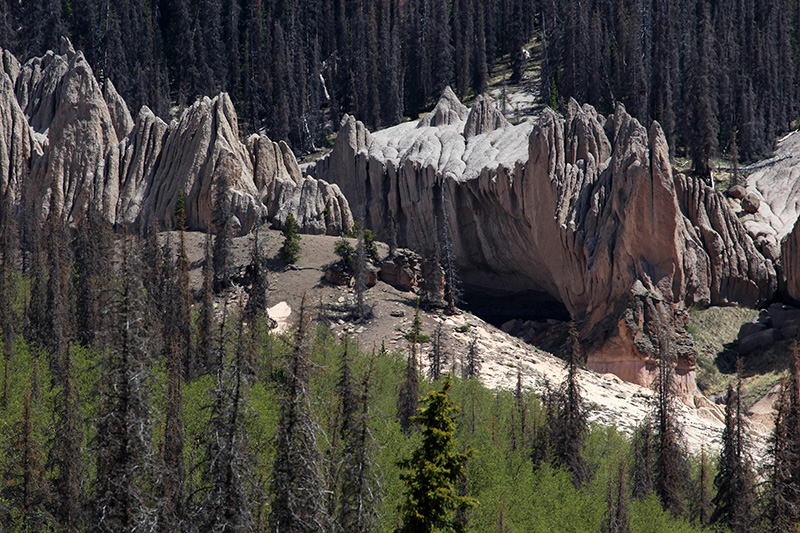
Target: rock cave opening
{"type": "Point", "coordinates": [534, 316]}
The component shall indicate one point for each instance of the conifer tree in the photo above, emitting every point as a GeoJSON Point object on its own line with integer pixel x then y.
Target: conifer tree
{"type": "Point", "coordinates": [358, 494]}
{"type": "Point", "coordinates": [670, 463]}
{"type": "Point", "coordinates": [290, 251]}
{"type": "Point", "coordinates": [172, 507]}
{"type": "Point", "coordinates": [617, 519]}
{"type": "Point", "coordinates": [408, 403]}
{"type": "Point", "coordinates": [227, 506]}
{"type": "Point", "coordinates": [205, 320]}
{"type": "Point", "coordinates": [183, 310]}
{"type": "Point", "coordinates": [222, 239]}
{"type": "Point", "coordinates": [257, 291]}
{"type": "Point", "coordinates": [431, 499]}
{"type": "Point", "coordinates": [569, 426]}
{"type": "Point", "coordinates": [26, 485]}
{"type": "Point", "coordinates": [124, 455]}
{"type": "Point", "coordinates": [471, 367]}
{"type": "Point", "coordinates": [65, 460]}
{"type": "Point", "coordinates": [734, 502]}
{"type": "Point", "coordinates": [437, 357]}
{"type": "Point", "coordinates": [297, 484]}
{"type": "Point", "coordinates": [783, 510]}
{"type": "Point", "coordinates": [642, 482]}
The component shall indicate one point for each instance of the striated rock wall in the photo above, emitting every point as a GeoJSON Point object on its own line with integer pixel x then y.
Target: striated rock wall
{"type": "Point", "coordinates": [66, 143]}
{"type": "Point", "coordinates": [582, 207]}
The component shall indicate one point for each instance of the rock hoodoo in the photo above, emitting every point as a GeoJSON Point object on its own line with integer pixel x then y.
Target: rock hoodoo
{"type": "Point", "coordinates": [66, 144]}
{"type": "Point", "coordinates": [582, 207]}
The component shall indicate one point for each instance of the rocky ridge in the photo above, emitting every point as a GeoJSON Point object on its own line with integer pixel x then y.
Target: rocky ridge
{"type": "Point", "coordinates": [68, 143]}
{"type": "Point", "coordinates": [582, 207]}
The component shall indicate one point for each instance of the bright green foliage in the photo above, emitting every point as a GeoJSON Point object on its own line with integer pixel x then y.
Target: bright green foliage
{"type": "Point", "coordinates": [415, 335]}
{"type": "Point", "coordinates": [345, 250]}
{"type": "Point", "coordinates": [290, 251]}
{"type": "Point", "coordinates": [433, 470]}
{"type": "Point", "coordinates": [180, 211]}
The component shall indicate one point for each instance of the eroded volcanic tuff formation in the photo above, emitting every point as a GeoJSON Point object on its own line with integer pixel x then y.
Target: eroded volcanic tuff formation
{"type": "Point", "coordinates": [582, 207]}
{"type": "Point", "coordinates": [67, 143]}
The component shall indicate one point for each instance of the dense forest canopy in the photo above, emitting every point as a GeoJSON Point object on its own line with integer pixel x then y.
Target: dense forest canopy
{"type": "Point", "coordinates": [720, 76]}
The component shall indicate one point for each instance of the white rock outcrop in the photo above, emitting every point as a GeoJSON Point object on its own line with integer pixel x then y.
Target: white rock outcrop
{"type": "Point", "coordinates": [67, 144]}
{"type": "Point", "coordinates": [582, 207]}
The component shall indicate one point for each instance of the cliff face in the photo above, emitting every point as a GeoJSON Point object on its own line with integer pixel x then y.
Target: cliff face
{"type": "Point", "coordinates": [66, 143]}
{"type": "Point", "coordinates": [582, 207]}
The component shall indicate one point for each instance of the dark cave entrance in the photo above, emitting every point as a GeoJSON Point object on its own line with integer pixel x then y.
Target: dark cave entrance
{"type": "Point", "coordinates": [498, 308]}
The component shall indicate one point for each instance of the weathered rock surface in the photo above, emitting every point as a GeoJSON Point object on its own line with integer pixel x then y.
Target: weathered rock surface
{"type": "Point", "coordinates": [582, 207]}
{"type": "Point", "coordinates": [483, 117]}
{"type": "Point", "coordinates": [70, 144]}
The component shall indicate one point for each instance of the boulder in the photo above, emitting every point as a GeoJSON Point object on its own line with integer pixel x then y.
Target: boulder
{"type": "Point", "coordinates": [781, 314]}
{"type": "Point", "coordinates": [403, 271]}
{"type": "Point", "coordinates": [749, 328]}
{"type": "Point", "coordinates": [759, 339]}
{"type": "Point", "coordinates": [750, 203]}
{"type": "Point", "coordinates": [737, 192]}
{"type": "Point", "coordinates": [337, 276]}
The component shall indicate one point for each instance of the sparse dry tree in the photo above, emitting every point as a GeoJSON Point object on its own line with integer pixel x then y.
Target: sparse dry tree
{"type": "Point", "coordinates": [735, 499]}
{"type": "Point", "coordinates": [223, 242]}
{"type": "Point", "coordinates": [205, 320]}
{"type": "Point", "coordinates": [783, 506]}
{"type": "Point", "coordinates": [617, 519]}
{"type": "Point", "coordinates": [408, 402]}
{"type": "Point", "coordinates": [257, 290]}
{"type": "Point", "coordinates": [358, 494]}
{"type": "Point", "coordinates": [437, 357]}
{"type": "Point", "coordinates": [570, 425]}
{"type": "Point", "coordinates": [362, 310]}
{"type": "Point", "coordinates": [298, 487]}
{"type": "Point", "coordinates": [125, 459]}
{"type": "Point", "coordinates": [227, 506]}
{"type": "Point", "coordinates": [671, 467]}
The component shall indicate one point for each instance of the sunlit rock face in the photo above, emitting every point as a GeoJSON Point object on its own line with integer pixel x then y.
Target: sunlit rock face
{"type": "Point", "coordinates": [582, 207]}
{"type": "Point", "coordinates": [67, 144]}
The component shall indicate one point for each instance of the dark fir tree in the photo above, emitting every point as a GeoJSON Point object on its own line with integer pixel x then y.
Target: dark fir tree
{"type": "Point", "coordinates": [670, 469]}
{"type": "Point", "coordinates": [735, 500]}
{"type": "Point", "coordinates": [434, 470]}
{"type": "Point", "coordinates": [290, 250]}
{"type": "Point", "coordinates": [642, 482]}
{"type": "Point", "coordinates": [437, 357]}
{"type": "Point", "coordinates": [570, 426]}
{"type": "Point", "coordinates": [223, 242]}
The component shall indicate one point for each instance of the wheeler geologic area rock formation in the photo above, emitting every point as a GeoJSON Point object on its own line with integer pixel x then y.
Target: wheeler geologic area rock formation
{"type": "Point", "coordinates": [583, 208]}
{"type": "Point", "coordinates": [67, 143]}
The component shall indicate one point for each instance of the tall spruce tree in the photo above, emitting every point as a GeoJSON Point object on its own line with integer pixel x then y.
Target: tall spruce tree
{"type": "Point", "coordinates": [569, 427]}
{"type": "Point", "coordinates": [735, 500]}
{"type": "Point", "coordinates": [670, 461]}
{"type": "Point", "coordinates": [434, 469]}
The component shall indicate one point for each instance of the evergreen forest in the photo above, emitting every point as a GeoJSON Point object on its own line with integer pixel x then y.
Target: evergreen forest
{"type": "Point", "coordinates": [132, 401]}
{"type": "Point", "coordinates": [721, 76]}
